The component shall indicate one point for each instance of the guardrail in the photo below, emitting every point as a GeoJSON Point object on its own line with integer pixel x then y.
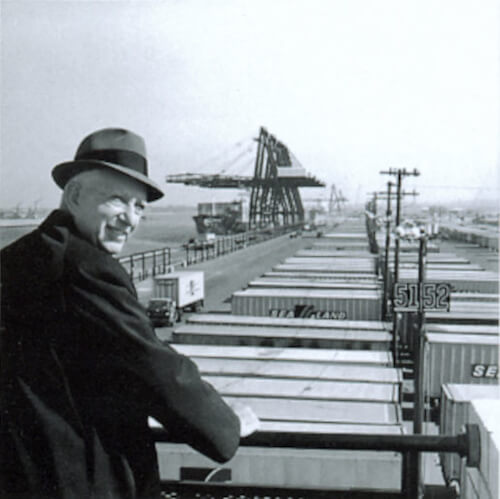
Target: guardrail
{"type": "Point", "coordinates": [154, 262]}
{"type": "Point", "coordinates": [465, 444]}
{"type": "Point", "coordinates": [141, 265]}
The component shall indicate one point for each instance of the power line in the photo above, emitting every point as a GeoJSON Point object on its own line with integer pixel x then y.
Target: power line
{"type": "Point", "coordinates": [472, 188]}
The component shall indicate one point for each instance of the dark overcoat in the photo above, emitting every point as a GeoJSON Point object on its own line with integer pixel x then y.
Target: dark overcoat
{"type": "Point", "coordinates": [81, 371]}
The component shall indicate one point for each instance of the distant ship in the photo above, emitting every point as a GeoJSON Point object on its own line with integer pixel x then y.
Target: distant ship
{"type": "Point", "coordinates": [220, 218]}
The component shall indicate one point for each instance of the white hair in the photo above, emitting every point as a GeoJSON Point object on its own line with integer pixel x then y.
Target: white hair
{"type": "Point", "coordinates": [77, 182]}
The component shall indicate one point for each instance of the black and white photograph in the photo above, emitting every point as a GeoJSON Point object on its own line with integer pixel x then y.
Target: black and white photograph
{"type": "Point", "coordinates": [249, 249]}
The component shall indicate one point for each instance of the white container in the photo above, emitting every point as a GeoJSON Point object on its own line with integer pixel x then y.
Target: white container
{"type": "Point", "coordinates": [358, 267]}
{"type": "Point", "coordinates": [341, 245]}
{"type": "Point", "coordinates": [270, 282]}
{"type": "Point", "coordinates": [295, 369]}
{"type": "Point", "coordinates": [482, 281]}
{"type": "Point", "coordinates": [363, 264]}
{"type": "Point", "coordinates": [459, 358]}
{"type": "Point", "coordinates": [462, 329]}
{"type": "Point", "coordinates": [455, 401]}
{"type": "Point", "coordinates": [322, 304]}
{"type": "Point", "coordinates": [302, 323]}
{"type": "Point", "coordinates": [186, 288]}
{"type": "Point", "coordinates": [485, 481]}
{"type": "Point", "coordinates": [205, 334]}
{"type": "Point", "coordinates": [347, 236]}
{"type": "Point", "coordinates": [475, 297]}
{"type": "Point", "coordinates": [324, 276]}
{"type": "Point", "coordinates": [294, 468]}
{"type": "Point", "coordinates": [468, 316]}
{"type": "Point", "coordinates": [325, 357]}
{"type": "Point", "coordinates": [317, 253]}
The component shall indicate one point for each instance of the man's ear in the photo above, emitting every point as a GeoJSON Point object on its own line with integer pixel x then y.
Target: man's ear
{"type": "Point", "coordinates": [72, 195]}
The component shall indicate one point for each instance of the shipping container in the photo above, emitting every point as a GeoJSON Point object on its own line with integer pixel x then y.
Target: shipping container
{"type": "Point", "coordinates": [291, 468]}
{"type": "Point", "coordinates": [302, 323]}
{"type": "Point", "coordinates": [363, 264]}
{"type": "Point", "coordinates": [358, 237]}
{"type": "Point", "coordinates": [328, 276]}
{"type": "Point", "coordinates": [475, 297]}
{"type": "Point", "coordinates": [482, 281]}
{"type": "Point", "coordinates": [459, 358]}
{"type": "Point", "coordinates": [433, 258]}
{"type": "Point", "coordinates": [473, 485]}
{"type": "Point", "coordinates": [315, 303]}
{"type": "Point", "coordinates": [203, 334]}
{"type": "Point", "coordinates": [359, 267]}
{"type": "Point", "coordinates": [443, 266]}
{"type": "Point", "coordinates": [484, 482]}
{"type": "Point", "coordinates": [295, 369]}
{"type": "Point", "coordinates": [321, 358]}
{"type": "Point", "coordinates": [447, 323]}
{"type": "Point", "coordinates": [187, 288]}
{"type": "Point", "coordinates": [455, 399]}
{"type": "Point", "coordinates": [486, 237]}
{"type": "Point", "coordinates": [306, 468]}
{"type": "Point", "coordinates": [471, 317]}
{"type": "Point", "coordinates": [300, 389]}
{"type": "Point", "coordinates": [462, 329]}
{"type": "Point", "coordinates": [317, 253]}
{"type": "Point", "coordinates": [302, 283]}
{"type": "Point", "coordinates": [442, 258]}
{"type": "Point", "coordinates": [341, 246]}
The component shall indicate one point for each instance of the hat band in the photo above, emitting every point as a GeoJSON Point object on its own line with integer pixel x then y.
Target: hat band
{"type": "Point", "coordinates": [127, 159]}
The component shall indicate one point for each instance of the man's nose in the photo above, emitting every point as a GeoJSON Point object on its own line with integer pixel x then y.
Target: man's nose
{"type": "Point", "coordinates": [130, 215]}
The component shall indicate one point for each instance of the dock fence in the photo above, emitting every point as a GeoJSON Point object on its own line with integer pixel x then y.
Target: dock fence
{"type": "Point", "coordinates": [160, 261]}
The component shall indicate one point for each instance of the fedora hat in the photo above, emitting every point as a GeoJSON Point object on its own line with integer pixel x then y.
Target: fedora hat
{"type": "Point", "coordinates": [115, 148]}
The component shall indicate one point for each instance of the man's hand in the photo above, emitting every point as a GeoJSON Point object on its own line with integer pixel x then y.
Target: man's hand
{"type": "Point", "coordinates": [249, 422]}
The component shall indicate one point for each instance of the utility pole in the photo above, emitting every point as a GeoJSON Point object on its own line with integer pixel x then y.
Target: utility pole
{"type": "Point", "coordinates": [419, 401]}
{"type": "Point", "coordinates": [388, 214]}
{"type": "Point", "coordinates": [399, 173]}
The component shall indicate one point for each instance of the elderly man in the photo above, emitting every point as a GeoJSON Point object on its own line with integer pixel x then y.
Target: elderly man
{"type": "Point", "coordinates": [81, 367]}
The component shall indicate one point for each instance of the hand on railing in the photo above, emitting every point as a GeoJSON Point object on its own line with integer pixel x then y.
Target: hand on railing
{"type": "Point", "coordinates": [249, 421]}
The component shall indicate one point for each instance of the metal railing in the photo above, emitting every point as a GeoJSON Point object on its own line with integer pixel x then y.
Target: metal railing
{"type": "Point", "coordinates": [466, 444]}
{"type": "Point", "coordinates": [141, 265]}
{"type": "Point", "coordinates": [150, 263]}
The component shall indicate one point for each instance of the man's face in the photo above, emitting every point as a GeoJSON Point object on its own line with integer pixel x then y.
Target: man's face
{"type": "Point", "coordinates": [108, 208]}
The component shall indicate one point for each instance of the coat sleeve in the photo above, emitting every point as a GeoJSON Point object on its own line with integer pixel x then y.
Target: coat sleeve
{"type": "Point", "coordinates": [152, 378]}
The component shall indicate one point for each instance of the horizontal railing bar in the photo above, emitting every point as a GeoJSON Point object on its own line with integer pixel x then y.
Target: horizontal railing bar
{"type": "Point", "coordinates": [465, 444]}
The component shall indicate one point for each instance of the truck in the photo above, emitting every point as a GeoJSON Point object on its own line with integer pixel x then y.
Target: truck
{"type": "Point", "coordinates": [175, 293]}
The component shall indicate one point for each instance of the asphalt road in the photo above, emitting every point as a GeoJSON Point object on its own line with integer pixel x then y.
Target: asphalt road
{"type": "Point", "coordinates": [233, 271]}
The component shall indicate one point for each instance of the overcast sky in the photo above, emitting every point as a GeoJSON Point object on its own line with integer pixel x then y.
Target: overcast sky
{"type": "Point", "coordinates": [350, 86]}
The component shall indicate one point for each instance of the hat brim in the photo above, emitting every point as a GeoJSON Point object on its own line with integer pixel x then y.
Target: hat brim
{"type": "Point", "coordinates": [62, 172]}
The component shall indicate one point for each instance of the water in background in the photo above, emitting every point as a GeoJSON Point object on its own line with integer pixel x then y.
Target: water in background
{"type": "Point", "coordinates": [161, 228]}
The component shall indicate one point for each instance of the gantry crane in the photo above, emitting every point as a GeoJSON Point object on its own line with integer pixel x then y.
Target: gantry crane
{"type": "Point", "coordinates": [337, 200]}
{"type": "Point", "coordinates": [275, 198]}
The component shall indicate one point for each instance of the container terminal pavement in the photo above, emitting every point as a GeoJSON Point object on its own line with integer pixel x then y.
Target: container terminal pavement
{"type": "Point", "coordinates": [302, 342]}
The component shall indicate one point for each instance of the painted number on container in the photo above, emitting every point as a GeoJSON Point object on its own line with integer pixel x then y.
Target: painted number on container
{"type": "Point", "coordinates": [434, 296]}
{"type": "Point", "coordinates": [485, 371]}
